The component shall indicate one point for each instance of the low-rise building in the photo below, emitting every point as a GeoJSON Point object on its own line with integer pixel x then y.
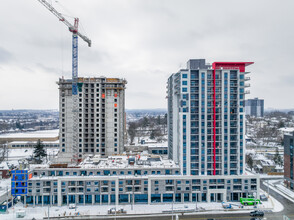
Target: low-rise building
{"type": "Point", "coordinates": [31, 144]}
{"type": "Point", "coordinates": [4, 170]}
{"type": "Point", "coordinates": [122, 179]}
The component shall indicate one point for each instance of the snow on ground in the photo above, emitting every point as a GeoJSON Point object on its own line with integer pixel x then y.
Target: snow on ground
{"type": "Point", "coordinates": [28, 152]}
{"type": "Point", "coordinates": [272, 202]}
{"type": "Point", "coordinates": [45, 133]}
{"type": "Point", "coordinates": [5, 188]}
{"type": "Point", "coordinates": [5, 185]}
{"type": "Point", "coordinates": [203, 208]}
{"type": "Point", "coordinates": [262, 175]}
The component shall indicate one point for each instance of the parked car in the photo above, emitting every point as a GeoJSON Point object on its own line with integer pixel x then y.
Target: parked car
{"type": "Point", "coordinates": [255, 219]}
{"type": "Point", "coordinates": [257, 213]}
{"type": "Point", "coordinates": [72, 206]}
{"type": "Point", "coordinates": [263, 197]}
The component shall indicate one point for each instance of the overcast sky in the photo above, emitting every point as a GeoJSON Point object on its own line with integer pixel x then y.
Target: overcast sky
{"type": "Point", "coordinates": [143, 41]}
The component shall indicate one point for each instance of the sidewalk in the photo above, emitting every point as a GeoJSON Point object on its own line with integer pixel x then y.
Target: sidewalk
{"type": "Point", "coordinates": [143, 209]}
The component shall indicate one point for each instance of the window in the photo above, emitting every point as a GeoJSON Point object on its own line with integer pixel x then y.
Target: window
{"type": "Point", "coordinates": [185, 76]}
{"type": "Point", "coordinates": [184, 90]}
{"type": "Point", "coordinates": [184, 83]}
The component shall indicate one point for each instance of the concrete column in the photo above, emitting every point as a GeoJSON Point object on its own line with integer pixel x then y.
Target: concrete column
{"type": "Point", "coordinates": [84, 200]}
{"type": "Point", "coordinates": [34, 200]}
{"type": "Point", "coordinates": [93, 199]}
{"type": "Point", "coordinates": [182, 197]}
{"type": "Point", "coordinates": [208, 196]}
{"type": "Point", "coordinates": [161, 197]}
{"type": "Point", "coordinates": [25, 200]}
{"type": "Point", "coordinates": [116, 191]}
{"type": "Point", "coordinates": [109, 199]}
{"type": "Point", "coordinates": [42, 200]}
{"type": "Point", "coordinates": [129, 198]}
{"type": "Point", "coordinates": [258, 186]}
{"type": "Point", "coordinates": [67, 199]}
{"type": "Point", "coordinates": [149, 191]}
{"type": "Point", "coordinates": [59, 196]}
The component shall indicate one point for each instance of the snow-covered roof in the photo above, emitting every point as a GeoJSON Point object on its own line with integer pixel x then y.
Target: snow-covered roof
{"type": "Point", "coordinates": [286, 129]}
{"type": "Point", "coordinates": [278, 167]}
{"type": "Point", "coordinates": [259, 157]}
{"type": "Point", "coordinates": [250, 151]}
{"type": "Point", "coordinates": [259, 166]}
{"type": "Point", "coordinates": [121, 162]}
{"type": "Point", "coordinates": [41, 134]}
{"type": "Point", "coordinates": [4, 166]}
{"type": "Point", "coordinates": [267, 163]}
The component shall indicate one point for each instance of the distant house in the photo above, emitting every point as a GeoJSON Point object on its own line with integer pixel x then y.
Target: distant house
{"type": "Point", "coordinates": [261, 164]}
{"type": "Point", "coordinates": [285, 131]}
{"type": "Point", "coordinates": [4, 170]}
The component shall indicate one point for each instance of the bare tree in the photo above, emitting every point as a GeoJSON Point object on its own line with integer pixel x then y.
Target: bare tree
{"type": "Point", "coordinates": [3, 152]}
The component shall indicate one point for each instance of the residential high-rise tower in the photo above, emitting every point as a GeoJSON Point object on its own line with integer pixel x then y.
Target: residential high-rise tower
{"type": "Point", "coordinates": [254, 107]}
{"type": "Point", "coordinates": [206, 116]}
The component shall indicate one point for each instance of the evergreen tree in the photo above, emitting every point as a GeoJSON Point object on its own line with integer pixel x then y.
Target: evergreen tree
{"type": "Point", "coordinates": [281, 124]}
{"type": "Point", "coordinates": [39, 152]}
{"type": "Point", "coordinates": [152, 135]}
{"type": "Point", "coordinates": [249, 161]}
{"type": "Point", "coordinates": [158, 120]}
{"type": "Point", "coordinates": [278, 159]}
{"type": "Point", "coordinates": [132, 131]}
{"type": "Point", "coordinates": [145, 122]}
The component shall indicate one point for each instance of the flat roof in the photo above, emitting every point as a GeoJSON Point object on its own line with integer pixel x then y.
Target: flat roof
{"type": "Point", "coordinates": [32, 134]}
{"type": "Point", "coordinates": [119, 162]}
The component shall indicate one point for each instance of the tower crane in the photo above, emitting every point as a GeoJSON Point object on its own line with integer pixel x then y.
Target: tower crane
{"type": "Point", "coordinates": [75, 34]}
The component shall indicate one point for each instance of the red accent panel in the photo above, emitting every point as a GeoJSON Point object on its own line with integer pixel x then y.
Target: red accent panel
{"type": "Point", "coordinates": [231, 65]}
{"type": "Point", "coordinates": [214, 125]}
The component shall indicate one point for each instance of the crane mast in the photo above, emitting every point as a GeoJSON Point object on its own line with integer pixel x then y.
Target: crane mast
{"type": "Point", "coordinates": [75, 35]}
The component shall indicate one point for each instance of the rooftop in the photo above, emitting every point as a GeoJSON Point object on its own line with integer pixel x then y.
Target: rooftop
{"type": "Point", "coordinates": [140, 161]}
{"type": "Point", "coordinates": [46, 133]}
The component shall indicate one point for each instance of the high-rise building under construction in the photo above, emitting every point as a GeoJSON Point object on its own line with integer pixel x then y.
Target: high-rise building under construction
{"type": "Point", "coordinates": [100, 122]}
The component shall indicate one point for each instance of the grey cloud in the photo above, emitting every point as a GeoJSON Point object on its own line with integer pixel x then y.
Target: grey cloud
{"type": "Point", "coordinates": [5, 56]}
{"type": "Point", "coordinates": [146, 41]}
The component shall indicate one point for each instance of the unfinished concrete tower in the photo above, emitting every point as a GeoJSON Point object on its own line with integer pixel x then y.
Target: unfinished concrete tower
{"type": "Point", "coordinates": [101, 112]}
